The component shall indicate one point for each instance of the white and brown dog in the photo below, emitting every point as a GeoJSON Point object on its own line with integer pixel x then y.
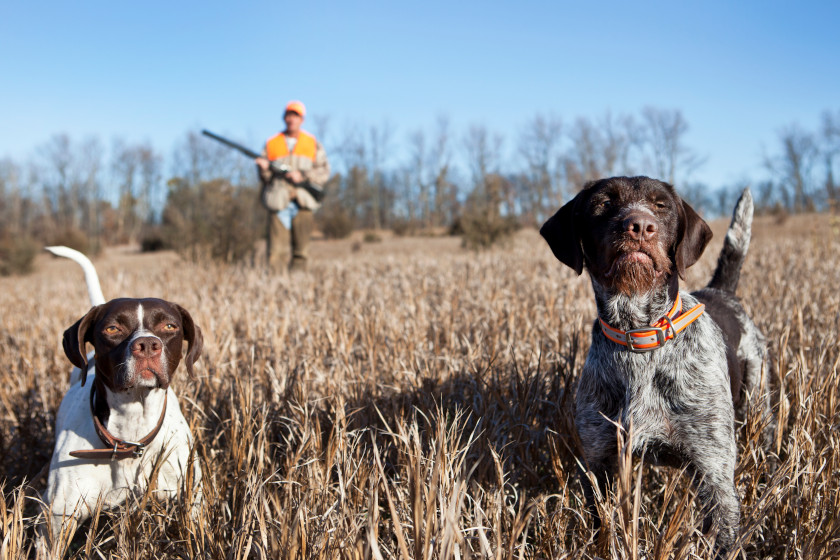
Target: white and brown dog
{"type": "Point", "coordinates": [120, 417]}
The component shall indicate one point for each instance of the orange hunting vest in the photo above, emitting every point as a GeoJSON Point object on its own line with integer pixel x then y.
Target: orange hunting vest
{"type": "Point", "coordinates": [276, 146]}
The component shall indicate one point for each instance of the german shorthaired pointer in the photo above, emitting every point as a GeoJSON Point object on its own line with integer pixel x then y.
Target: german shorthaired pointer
{"type": "Point", "coordinates": [112, 431]}
{"type": "Point", "coordinates": [675, 365]}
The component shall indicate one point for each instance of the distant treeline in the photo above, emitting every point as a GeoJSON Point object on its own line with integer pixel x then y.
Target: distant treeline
{"type": "Point", "coordinates": [202, 200]}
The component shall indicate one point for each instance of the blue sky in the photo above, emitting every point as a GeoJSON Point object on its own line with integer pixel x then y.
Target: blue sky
{"type": "Point", "coordinates": [151, 71]}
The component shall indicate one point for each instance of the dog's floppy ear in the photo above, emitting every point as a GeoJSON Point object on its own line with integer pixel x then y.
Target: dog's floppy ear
{"type": "Point", "coordinates": [75, 338]}
{"type": "Point", "coordinates": [194, 338]}
{"type": "Point", "coordinates": [694, 235]}
{"type": "Point", "coordinates": [563, 237]}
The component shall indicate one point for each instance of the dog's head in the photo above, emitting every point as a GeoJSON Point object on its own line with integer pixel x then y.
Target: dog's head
{"type": "Point", "coordinates": [137, 342]}
{"type": "Point", "coordinates": [631, 233]}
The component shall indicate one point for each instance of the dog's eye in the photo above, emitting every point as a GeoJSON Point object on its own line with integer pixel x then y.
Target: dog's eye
{"type": "Point", "coordinates": [170, 327]}
{"type": "Point", "coordinates": [602, 204]}
{"type": "Point", "coordinates": [111, 329]}
{"type": "Point", "coordinates": [660, 205]}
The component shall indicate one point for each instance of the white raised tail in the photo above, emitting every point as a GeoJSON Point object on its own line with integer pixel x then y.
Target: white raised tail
{"type": "Point", "coordinates": [91, 277]}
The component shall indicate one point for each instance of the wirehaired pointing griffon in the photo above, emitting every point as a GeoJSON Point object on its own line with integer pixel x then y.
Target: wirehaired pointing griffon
{"type": "Point", "coordinates": [675, 365]}
{"type": "Point", "coordinates": [120, 417]}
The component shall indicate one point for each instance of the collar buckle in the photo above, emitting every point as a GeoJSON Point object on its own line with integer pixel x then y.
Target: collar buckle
{"type": "Point", "coordinates": [139, 448]}
{"type": "Point", "coordinates": [660, 332]}
{"type": "Point", "coordinates": [660, 339]}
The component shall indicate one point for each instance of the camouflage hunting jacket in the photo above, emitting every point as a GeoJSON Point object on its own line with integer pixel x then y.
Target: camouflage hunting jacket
{"type": "Point", "coordinates": [308, 156]}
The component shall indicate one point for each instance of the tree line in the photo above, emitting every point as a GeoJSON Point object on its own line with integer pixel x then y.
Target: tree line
{"type": "Point", "coordinates": [202, 199]}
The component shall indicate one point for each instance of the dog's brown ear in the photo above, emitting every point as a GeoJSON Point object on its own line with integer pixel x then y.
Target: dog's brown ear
{"type": "Point", "coordinates": [563, 237]}
{"type": "Point", "coordinates": [76, 337]}
{"type": "Point", "coordinates": [194, 338]}
{"type": "Point", "coordinates": [694, 235]}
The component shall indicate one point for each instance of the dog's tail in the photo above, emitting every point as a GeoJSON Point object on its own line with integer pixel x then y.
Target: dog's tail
{"type": "Point", "coordinates": [91, 277]}
{"type": "Point", "coordinates": [735, 246]}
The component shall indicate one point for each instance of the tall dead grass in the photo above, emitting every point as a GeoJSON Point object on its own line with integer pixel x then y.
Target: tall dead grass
{"type": "Point", "coordinates": [414, 400]}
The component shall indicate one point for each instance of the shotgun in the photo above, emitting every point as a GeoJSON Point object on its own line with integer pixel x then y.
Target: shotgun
{"type": "Point", "coordinates": [278, 169]}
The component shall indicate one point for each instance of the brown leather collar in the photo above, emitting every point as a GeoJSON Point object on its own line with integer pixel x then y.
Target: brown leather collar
{"type": "Point", "coordinates": [117, 448]}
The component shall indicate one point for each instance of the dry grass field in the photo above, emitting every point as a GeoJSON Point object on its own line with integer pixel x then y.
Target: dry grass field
{"type": "Point", "coordinates": [410, 399]}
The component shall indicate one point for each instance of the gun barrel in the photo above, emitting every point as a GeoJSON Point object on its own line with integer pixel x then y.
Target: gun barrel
{"type": "Point", "coordinates": [239, 147]}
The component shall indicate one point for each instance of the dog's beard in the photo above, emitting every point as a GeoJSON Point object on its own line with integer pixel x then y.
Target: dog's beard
{"type": "Point", "coordinates": [637, 269]}
{"type": "Point", "coordinates": [142, 373]}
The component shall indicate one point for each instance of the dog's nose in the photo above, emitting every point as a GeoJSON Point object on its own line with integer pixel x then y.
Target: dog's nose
{"type": "Point", "coordinates": [640, 226]}
{"type": "Point", "coordinates": [146, 347]}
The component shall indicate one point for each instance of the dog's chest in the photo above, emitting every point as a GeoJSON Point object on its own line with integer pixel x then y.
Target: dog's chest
{"type": "Point", "coordinates": [657, 397]}
{"type": "Point", "coordinates": [651, 401]}
{"type": "Point", "coordinates": [128, 475]}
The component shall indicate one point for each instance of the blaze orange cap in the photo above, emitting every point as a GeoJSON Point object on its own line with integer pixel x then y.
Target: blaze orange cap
{"type": "Point", "coordinates": [297, 107]}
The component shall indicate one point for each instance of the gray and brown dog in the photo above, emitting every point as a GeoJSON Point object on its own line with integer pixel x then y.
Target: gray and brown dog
{"type": "Point", "coordinates": [676, 365]}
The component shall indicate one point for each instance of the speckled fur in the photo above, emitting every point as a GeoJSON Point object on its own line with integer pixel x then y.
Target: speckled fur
{"type": "Point", "coordinates": [678, 398]}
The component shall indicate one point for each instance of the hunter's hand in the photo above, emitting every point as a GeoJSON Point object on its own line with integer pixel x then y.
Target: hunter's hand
{"type": "Point", "coordinates": [294, 176]}
{"type": "Point", "coordinates": [263, 163]}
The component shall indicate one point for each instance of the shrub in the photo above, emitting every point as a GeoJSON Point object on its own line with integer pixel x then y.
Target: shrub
{"type": "Point", "coordinates": [75, 239]}
{"type": "Point", "coordinates": [152, 239]}
{"type": "Point", "coordinates": [335, 222]}
{"type": "Point", "coordinates": [780, 214]}
{"type": "Point", "coordinates": [401, 227]}
{"type": "Point", "coordinates": [456, 228]}
{"type": "Point", "coordinates": [480, 231]}
{"type": "Point", "coordinates": [482, 223]}
{"type": "Point", "coordinates": [17, 254]}
{"type": "Point", "coordinates": [212, 219]}
{"type": "Point", "coordinates": [371, 237]}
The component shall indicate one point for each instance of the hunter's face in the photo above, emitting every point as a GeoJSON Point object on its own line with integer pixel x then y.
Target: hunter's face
{"type": "Point", "coordinates": [293, 121]}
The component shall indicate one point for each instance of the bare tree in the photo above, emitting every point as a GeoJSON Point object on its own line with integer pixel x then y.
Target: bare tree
{"type": "Point", "coordinates": [582, 162]}
{"type": "Point", "coordinates": [482, 221]}
{"type": "Point", "coordinates": [368, 188]}
{"type": "Point", "coordinates": [355, 190]}
{"type": "Point", "coordinates": [198, 159]}
{"type": "Point", "coordinates": [90, 166]}
{"type": "Point", "coordinates": [10, 196]}
{"type": "Point", "coordinates": [699, 196]}
{"type": "Point", "coordinates": [539, 145]}
{"type": "Point", "coordinates": [125, 163]}
{"type": "Point", "coordinates": [601, 149]}
{"type": "Point", "coordinates": [406, 203]}
{"type": "Point", "coordinates": [57, 155]}
{"type": "Point", "coordinates": [483, 153]}
{"type": "Point", "coordinates": [419, 181]}
{"type": "Point", "coordinates": [150, 182]}
{"type": "Point", "coordinates": [620, 137]}
{"type": "Point", "coordinates": [726, 197]}
{"type": "Point", "coordinates": [380, 151]}
{"type": "Point", "coordinates": [445, 195]}
{"type": "Point", "coordinates": [793, 167]}
{"type": "Point", "coordinates": [320, 127]}
{"type": "Point", "coordinates": [766, 198]}
{"type": "Point", "coordinates": [68, 178]}
{"type": "Point", "coordinates": [831, 155]}
{"type": "Point", "coordinates": [664, 136]}
{"type": "Point", "coordinates": [429, 168]}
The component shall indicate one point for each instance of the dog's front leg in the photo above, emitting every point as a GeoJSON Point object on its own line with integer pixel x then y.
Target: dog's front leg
{"type": "Point", "coordinates": [598, 405]}
{"type": "Point", "coordinates": [52, 534]}
{"type": "Point", "coordinates": [712, 464]}
{"type": "Point", "coordinates": [721, 509]}
{"type": "Point", "coordinates": [603, 474]}
{"type": "Point", "coordinates": [600, 451]}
